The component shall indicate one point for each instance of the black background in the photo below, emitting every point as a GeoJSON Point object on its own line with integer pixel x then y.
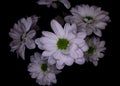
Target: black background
{"type": "Point", "coordinates": [15, 70]}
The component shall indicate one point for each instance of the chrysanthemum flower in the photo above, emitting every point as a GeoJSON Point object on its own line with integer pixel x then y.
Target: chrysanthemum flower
{"type": "Point", "coordinates": [41, 70]}
{"type": "Point", "coordinates": [22, 35]}
{"type": "Point", "coordinates": [95, 51]}
{"type": "Point", "coordinates": [64, 45]}
{"type": "Point", "coordinates": [89, 18]}
{"type": "Point", "coordinates": [49, 3]}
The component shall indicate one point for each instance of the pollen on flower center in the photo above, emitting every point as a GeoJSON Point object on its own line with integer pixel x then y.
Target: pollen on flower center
{"type": "Point", "coordinates": [88, 19]}
{"type": "Point", "coordinates": [91, 50]}
{"type": "Point", "coordinates": [44, 67]}
{"type": "Point", "coordinates": [62, 44]}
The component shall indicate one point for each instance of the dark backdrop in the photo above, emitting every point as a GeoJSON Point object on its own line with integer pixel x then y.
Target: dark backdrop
{"type": "Point", "coordinates": [15, 70]}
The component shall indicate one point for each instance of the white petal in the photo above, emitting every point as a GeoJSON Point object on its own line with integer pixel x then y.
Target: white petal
{"type": "Point", "coordinates": [30, 44]}
{"type": "Point", "coordinates": [66, 3]}
{"type": "Point", "coordinates": [54, 5]}
{"type": "Point", "coordinates": [95, 63]}
{"type": "Point", "coordinates": [43, 58]}
{"type": "Point", "coordinates": [100, 17]}
{"type": "Point", "coordinates": [50, 35]}
{"type": "Point", "coordinates": [95, 41]}
{"type": "Point", "coordinates": [79, 53]}
{"type": "Point", "coordinates": [98, 32]}
{"type": "Point", "coordinates": [51, 76]}
{"type": "Point", "coordinates": [27, 23]}
{"type": "Point", "coordinates": [102, 49]}
{"type": "Point", "coordinates": [60, 62]}
{"type": "Point", "coordinates": [21, 51]}
{"type": "Point", "coordinates": [69, 30]}
{"type": "Point", "coordinates": [81, 35]}
{"type": "Point", "coordinates": [73, 47]}
{"type": "Point", "coordinates": [73, 54]}
{"type": "Point", "coordinates": [31, 34]}
{"type": "Point", "coordinates": [57, 28]}
{"type": "Point", "coordinates": [68, 19]}
{"type": "Point", "coordinates": [50, 47]}
{"type": "Point", "coordinates": [69, 61]}
{"type": "Point", "coordinates": [46, 40]}
{"type": "Point", "coordinates": [89, 31]}
{"type": "Point", "coordinates": [35, 58]}
{"type": "Point", "coordinates": [34, 75]}
{"type": "Point", "coordinates": [40, 76]}
{"type": "Point", "coordinates": [34, 20]}
{"type": "Point", "coordinates": [57, 55]}
{"type": "Point", "coordinates": [70, 36]}
{"type": "Point", "coordinates": [14, 35]}
{"type": "Point", "coordinates": [102, 43]}
{"type": "Point", "coordinates": [14, 45]}
{"type": "Point", "coordinates": [80, 61]}
{"type": "Point", "coordinates": [40, 45]}
{"type": "Point", "coordinates": [60, 66]}
{"type": "Point", "coordinates": [78, 41]}
{"type": "Point", "coordinates": [84, 47]}
{"type": "Point", "coordinates": [101, 25]}
{"type": "Point", "coordinates": [101, 55]}
{"type": "Point", "coordinates": [51, 60]}
{"type": "Point", "coordinates": [17, 28]}
{"type": "Point", "coordinates": [37, 55]}
{"type": "Point", "coordinates": [54, 81]}
{"type": "Point", "coordinates": [74, 28]}
{"type": "Point", "coordinates": [43, 2]}
{"type": "Point", "coordinates": [47, 53]}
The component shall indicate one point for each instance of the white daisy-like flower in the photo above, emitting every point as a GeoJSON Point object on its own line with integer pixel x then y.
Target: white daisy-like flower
{"type": "Point", "coordinates": [95, 51]}
{"type": "Point", "coordinates": [44, 73]}
{"type": "Point", "coordinates": [52, 3]}
{"type": "Point", "coordinates": [22, 35]}
{"type": "Point", "coordinates": [64, 46]}
{"type": "Point", "coordinates": [89, 18]}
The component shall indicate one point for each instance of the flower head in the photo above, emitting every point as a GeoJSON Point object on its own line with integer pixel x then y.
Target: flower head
{"type": "Point", "coordinates": [95, 51]}
{"type": "Point", "coordinates": [41, 70]}
{"type": "Point", "coordinates": [64, 46]}
{"type": "Point", "coordinates": [22, 35]}
{"type": "Point", "coordinates": [89, 18]}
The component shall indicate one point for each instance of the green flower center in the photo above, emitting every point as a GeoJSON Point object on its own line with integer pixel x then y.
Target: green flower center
{"type": "Point", "coordinates": [44, 67]}
{"type": "Point", "coordinates": [91, 50]}
{"type": "Point", "coordinates": [88, 19]}
{"type": "Point", "coordinates": [62, 44]}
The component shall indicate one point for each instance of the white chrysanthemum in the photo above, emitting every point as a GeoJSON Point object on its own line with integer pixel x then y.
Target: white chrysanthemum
{"type": "Point", "coordinates": [64, 45]}
{"type": "Point", "coordinates": [22, 35]}
{"type": "Point", "coordinates": [89, 19]}
{"type": "Point", "coordinates": [95, 51]}
{"type": "Point", "coordinates": [49, 3]}
{"type": "Point", "coordinates": [42, 71]}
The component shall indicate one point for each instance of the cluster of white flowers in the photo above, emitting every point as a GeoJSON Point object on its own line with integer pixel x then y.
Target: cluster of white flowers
{"type": "Point", "coordinates": [77, 42]}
